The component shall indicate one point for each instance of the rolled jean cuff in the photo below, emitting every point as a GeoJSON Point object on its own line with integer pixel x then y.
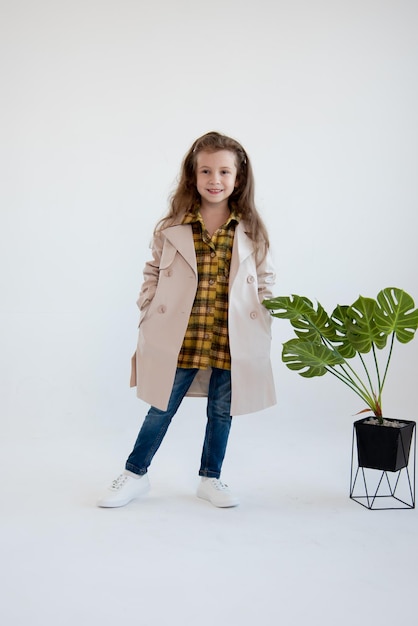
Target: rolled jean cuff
{"type": "Point", "coordinates": [209, 474]}
{"type": "Point", "coordinates": [135, 470]}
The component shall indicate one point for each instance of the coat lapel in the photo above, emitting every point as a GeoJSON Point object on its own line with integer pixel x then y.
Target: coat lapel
{"type": "Point", "coordinates": [242, 248]}
{"type": "Point", "coordinates": [181, 237]}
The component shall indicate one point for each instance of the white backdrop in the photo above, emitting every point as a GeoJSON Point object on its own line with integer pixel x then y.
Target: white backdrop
{"type": "Point", "coordinates": [100, 101]}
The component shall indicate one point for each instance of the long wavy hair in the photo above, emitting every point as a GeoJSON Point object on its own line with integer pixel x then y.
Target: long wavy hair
{"type": "Point", "coordinates": [186, 198]}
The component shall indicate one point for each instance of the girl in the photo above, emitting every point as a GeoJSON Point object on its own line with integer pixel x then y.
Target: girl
{"type": "Point", "coordinates": [203, 330]}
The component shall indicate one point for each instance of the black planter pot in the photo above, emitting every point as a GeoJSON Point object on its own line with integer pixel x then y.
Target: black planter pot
{"type": "Point", "coordinates": [383, 447]}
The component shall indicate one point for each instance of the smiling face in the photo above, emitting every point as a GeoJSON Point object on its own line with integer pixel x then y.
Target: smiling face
{"type": "Point", "coordinates": [216, 177]}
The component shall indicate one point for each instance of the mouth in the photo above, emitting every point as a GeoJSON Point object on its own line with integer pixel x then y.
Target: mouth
{"type": "Point", "coordinates": [214, 191]}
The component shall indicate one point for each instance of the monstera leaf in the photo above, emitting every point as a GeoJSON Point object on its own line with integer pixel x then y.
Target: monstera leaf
{"type": "Point", "coordinates": [314, 326]}
{"type": "Point", "coordinates": [289, 307]}
{"type": "Point", "coordinates": [313, 358]}
{"type": "Point", "coordinates": [339, 320]}
{"type": "Point", "coordinates": [309, 323]}
{"type": "Point", "coordinates": [395, 313]}
{"type": "Point", "coordinates": [362, 331]}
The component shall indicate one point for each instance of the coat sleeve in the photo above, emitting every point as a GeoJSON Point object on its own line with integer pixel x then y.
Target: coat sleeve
{"type": "Point", "coordinates": [148, 289]}
{"type": "Point", "coordinates": [266, 277]}
{"type": "Point", "coordinates": [151, 274]}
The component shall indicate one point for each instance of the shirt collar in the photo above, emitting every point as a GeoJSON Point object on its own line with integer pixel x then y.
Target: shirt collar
{"type": "Point", "coordinates": [196, 216]}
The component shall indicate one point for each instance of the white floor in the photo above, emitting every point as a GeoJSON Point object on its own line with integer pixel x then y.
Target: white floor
{"type": "Point", "coordinates": [296, 551]}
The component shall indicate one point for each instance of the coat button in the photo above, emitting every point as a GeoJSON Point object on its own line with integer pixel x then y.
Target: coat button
{"type": "Point", "coordinates": [169, 273]}
{"type": "Point", "coordinates": [253, 315]}
{"type": "Point", "coordinates": [250, 279]}
{"type": "Point", "coordinates": [162, 308]}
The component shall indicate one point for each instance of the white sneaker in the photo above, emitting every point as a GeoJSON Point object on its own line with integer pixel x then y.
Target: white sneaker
{"type": "Point", "coordinates": [216, 492]}
{"type": "Point", "coordinates": [124, 489]}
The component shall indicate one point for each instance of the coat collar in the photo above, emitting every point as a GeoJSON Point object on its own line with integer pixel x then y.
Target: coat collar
{"type": "Point", "coordinates": [181, 237]}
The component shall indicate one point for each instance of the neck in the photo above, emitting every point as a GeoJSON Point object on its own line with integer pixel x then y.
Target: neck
{"type": "Point", "coordinates": [215, 209]}
{"type": "Point", "coordinates": [214, 217]}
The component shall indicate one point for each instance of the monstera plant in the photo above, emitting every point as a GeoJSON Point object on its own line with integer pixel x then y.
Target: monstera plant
{"type": "Point", "coordinates": [346, 343]}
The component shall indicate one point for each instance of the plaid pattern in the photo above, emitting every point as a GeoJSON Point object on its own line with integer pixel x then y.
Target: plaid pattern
{"type": "Point", "coordinates": [206, 342]}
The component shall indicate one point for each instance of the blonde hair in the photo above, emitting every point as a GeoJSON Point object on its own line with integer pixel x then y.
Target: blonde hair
{"type": "Point", "coordinates": [186, 198]}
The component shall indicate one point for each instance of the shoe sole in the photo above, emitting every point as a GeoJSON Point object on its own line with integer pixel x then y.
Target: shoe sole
{"type": "Point", "coordinates": [103, 504]}
{"type": "Point", "coordinates": [229, 505]}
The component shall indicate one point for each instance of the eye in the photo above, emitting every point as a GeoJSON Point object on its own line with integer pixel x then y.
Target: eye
{"type": "Point", "coordinates": [225, 172]}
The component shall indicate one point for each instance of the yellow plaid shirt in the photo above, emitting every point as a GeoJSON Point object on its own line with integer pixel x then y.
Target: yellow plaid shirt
{"type": "Point", "coordinates": [206, 342]}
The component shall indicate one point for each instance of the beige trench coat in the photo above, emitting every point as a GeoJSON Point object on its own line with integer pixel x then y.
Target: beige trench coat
{"type": "Point", "coordinates": [165, 303]}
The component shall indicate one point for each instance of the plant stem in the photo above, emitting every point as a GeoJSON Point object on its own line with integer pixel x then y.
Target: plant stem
{"type": "Point", "coordinates": [387, 367]}
{"type": "Point", "coordinates": [366, 370]}
{"type": "Point", "coordinates": [377, 368]}
{"type": "Point", "coordinates": [364, 395]}
{"type": "Point", "coordinates": [368, 395]}
{"type": "Point", "coordinates": [367, 391]}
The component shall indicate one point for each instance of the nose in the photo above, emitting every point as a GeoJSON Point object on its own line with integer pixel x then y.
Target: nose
{"type": "Point", "coordinates": [215, 179]}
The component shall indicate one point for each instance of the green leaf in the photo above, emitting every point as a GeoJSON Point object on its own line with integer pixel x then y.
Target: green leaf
{"type": "Point", "coordinates": [394, 313]}
{"type": "Point", "coordinates": [339, 321]}
{"type": "Point", "coordinates": [311, 357]}
{"type": "Point", "coordinates": [289, 307]}
{"type": "Point", "coordinates": [313, 326]}
{"type": "Point", "coordinates": [362, 331]}
{"type": "Point", "coordinates": [309, 323]}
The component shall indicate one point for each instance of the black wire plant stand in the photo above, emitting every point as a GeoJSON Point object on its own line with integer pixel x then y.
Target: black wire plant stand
{"type": "Point", "coordinates": [383, 484]}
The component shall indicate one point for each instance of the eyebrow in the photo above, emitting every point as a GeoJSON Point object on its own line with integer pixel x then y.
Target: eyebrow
{"type": "Point", "coordinates": [207, 167]}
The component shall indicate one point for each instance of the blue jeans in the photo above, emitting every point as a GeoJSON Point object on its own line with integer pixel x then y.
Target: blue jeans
{"type": "Point", "coordinates": [218, 424]}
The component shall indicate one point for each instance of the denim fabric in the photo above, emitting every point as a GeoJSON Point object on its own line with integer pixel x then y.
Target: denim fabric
{"type": "Point", "coordinates": [156, 424]}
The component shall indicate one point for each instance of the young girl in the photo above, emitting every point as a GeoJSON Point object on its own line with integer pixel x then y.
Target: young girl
{"type": "Point", "coordinates": [203, 330]}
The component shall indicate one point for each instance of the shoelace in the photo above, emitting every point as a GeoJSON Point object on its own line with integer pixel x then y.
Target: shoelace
{"type": "Point", "coordinates": [119, 482]}
{"type": "Point", "coordinates": [219, 485]}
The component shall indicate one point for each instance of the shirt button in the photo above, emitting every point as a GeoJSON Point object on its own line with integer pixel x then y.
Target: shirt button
{"type": "Point", "coordinates": [213, 254]}
{"type": "Point", "coordinates": [161, 308]}
{"type": "Point", "coordinates": [253, 315]}
{"type": "Point", "coordinates": [211, 281]}
{"type": "Point", "coordinates": [250, 279]}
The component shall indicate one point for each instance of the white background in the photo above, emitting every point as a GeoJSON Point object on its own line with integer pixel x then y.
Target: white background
{"type": "Point", "coordinates": [99, 102]}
